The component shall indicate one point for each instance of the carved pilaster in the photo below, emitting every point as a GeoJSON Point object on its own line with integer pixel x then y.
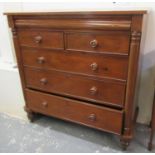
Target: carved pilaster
{"type": "Point", "coordinates": [135, 37]}
{"type": "Point", "coordinates": [130, 108]}
{"type": "Point", "coordinates": [14, 32]}
{"type": "Point", "coordinates": [11, 21]}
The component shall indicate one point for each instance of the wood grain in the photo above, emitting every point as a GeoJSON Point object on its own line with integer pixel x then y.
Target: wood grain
{"type": "Point", "coordinates": [109, 41]}
{"type": "Point", "coordinates": [76, 86]}
{"type": "Point", "coordinates": [41, 39]}
{"type": "Point", "coordinates": [104, 119]}
{"type": "Point", "coordinates": [77, 62]}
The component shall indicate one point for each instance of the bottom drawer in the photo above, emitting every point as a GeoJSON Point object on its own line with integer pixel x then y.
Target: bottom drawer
{"type": "Point", "coordinates": [98, 117]}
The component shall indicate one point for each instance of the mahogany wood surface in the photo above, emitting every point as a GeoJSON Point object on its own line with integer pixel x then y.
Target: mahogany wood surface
{"type": "Point", "coordinates": [74, 85]}
{"type": "Point", "coordinates": [110, 41]}
{"type": "Point", "coordinates": [91, 64]}
{"type": "Point", "coordinates": [41, 39]}
{"type": "Point", "coordinates": [82, 13]}
{"type": "Point", "coordinates": [76, 111]}
{"type": "Point", "coordinates": [75, 24]}
{"type": "Point", "coordinates": [80, 66]}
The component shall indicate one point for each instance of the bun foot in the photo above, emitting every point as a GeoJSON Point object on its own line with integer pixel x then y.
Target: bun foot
{"type": "Point", "coordinates": [30, 114]}
{"type": "Point", "coordinates": [150, 146]}
{"type": "Point", "coordinates": [124, 144]}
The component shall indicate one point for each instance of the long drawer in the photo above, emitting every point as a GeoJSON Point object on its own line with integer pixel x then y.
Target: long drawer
{"type": "Point", "coordinates": [102, 118]}
{"type": "Point", "coordinates": [105, 41]}
{"type": "Point", "coordinates": [89, 89]}
{"type": "Point", "coordinates": [99, 65]}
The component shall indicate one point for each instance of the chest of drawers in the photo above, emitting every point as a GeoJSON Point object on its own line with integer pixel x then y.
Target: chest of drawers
{"type": "Point", "coordinates": [80, 66]}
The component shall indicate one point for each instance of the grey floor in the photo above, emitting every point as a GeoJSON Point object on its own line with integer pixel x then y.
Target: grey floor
{"type": "Point", "coordinates": [52, 135]}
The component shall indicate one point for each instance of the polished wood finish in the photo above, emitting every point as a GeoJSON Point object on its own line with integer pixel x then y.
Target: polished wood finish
{"type": "Point", "coordinates": [88, 14]}
{"type": "Point", "coordinates": [64, 83]}
{"type": "Point", "coordinates": [91, 64]}
{"type": "Point", "coordinates": [75, 24]}
{"type": "Point", "coordinates": [41, 39]}
{"type": "Point", "coordinates": [117, 42]}
{"type": "Point", "coordinates": [130, 105]}
{"type": "Point", "coordinates": [76, 111]}
{"type": "Point", "coordinates": [80, 66]}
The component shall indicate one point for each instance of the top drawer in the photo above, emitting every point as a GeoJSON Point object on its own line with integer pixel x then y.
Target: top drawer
{"type": "Point", "coordinates": [105, 41]}
{"type": "Point", "coordinates": [41, 38]}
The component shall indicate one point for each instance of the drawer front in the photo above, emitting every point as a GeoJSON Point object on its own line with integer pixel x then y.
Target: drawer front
{"type": "Point", "coordinates": [84, 63]}
{"type": "Point", "coordinates": [85, 88]}
{"type": "Point", "coordinates": [108, 41]}
{"type": "Point", "coordinates": [40, 38]}
{"type": "Point", "coordinates": [102, 118]}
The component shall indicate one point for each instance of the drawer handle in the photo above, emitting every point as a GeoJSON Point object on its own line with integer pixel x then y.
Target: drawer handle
{"type": "Point", "coordinates": [93, 43]}
{"type": "Point", "coordinates": [92, 117]}
{"type": "Point", "coordinates": [40, 60]}
{"type": "Point", "coordinates": [44, 104]}
{"type": "Point", "coordinates": [43, 81]}
{"type": "Point", "coordinates": [38, 39]}
{"type": "Point", "coordinates": [93, 90]}
{"type": "Point", "coordinates": [94, 66]}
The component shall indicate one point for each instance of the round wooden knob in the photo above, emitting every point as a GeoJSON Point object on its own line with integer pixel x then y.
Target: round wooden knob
{"type": "Point", "coordinates": [38, 39]}
{"type": "Point", "coordinates": [92, 117]}
{"type": "Point", "coordinates": [94, 66]}
{"type": "Point", "coordinates": [40, 60]}
{"type": "Point", "coordinates": [44, 104]}
{"type": "Point", "coordinates": [93, 43]}
{"type": "Point", "coordinates": [93, 90]}
{"type": "Point", "coordinates": [43, 81]}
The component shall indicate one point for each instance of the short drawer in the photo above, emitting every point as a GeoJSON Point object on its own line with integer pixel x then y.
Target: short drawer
{"type": "Point", "coordinates": [102, 118]}
{"type": "Point", "coordinates": [108, 41]}
{"type": "Point", "coordinates": [98, 65]}
{"type": "Point", "coordinates": [81, 87]}
{"type": "Point", "coordinates": [41, 38]}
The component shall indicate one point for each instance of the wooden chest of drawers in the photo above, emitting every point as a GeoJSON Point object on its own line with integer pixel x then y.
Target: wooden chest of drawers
{"type": "Point", "coordinates": [80, 66]}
